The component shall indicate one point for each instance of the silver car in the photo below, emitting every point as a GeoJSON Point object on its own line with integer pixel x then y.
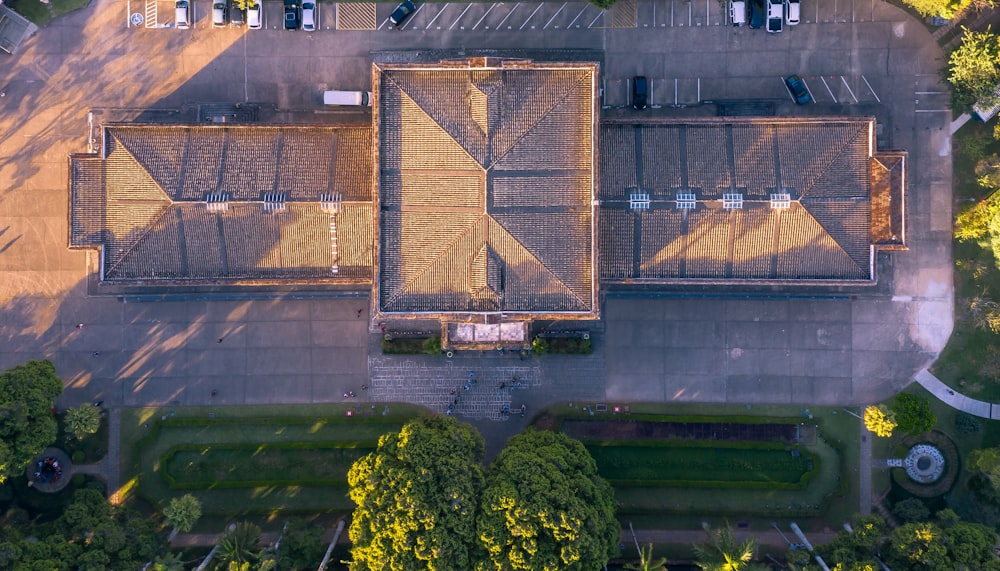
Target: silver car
{"type": "Point", "coordinates": [254, 19]}
{"type": "Point", "coordinates": [308, 16]}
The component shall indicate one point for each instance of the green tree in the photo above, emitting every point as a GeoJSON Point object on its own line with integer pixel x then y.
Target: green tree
{"type": "Point", "coordinates": [974, 67]}
{"type": "Point", "coordinates": [168, 562]}
{"type": "Point", "coordinates": [985, 463]}
{"type": "Point", "coordinates": [182, 513]}
{"type": "Point", "coordinates": [723, 553]}
{"type": "Point", "coordinates": [83, 420]}
{"type": "Point", "coordinates": [417, 498]}
{"type": "Point", "coordinates": [545, 508]}
{"type": "Point", "coordinates": [911, 510]}
{"type": "Point", "coordinates": [879, 420]}
{"type": "Point", "coordinates": [913, 414]}
{"type": "Point", "coordinates": [301, 545]}
{"type": "Point", "coordinates": [646, 561]}
{"type": "Point", "coordinates": [940, 8]}
{"type": "Point", "coordinates": [240, 545]}
{"type": "Point", "coordinates": [27, 425]}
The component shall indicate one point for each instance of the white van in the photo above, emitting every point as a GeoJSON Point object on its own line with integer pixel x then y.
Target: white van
{"type": "Point", "coordinates": [738, 12]}
{"type": "Point", "coordinates": [353, 98]}
{"type": "Point", "coordinates": [181, 15]}
{"type": "Point", "coordinates": [792, 10]}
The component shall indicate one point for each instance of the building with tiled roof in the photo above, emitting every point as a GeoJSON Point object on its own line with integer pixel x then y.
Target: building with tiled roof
{"type": "Point", "coordinates": [727, 200]}
{"type": "Point", "coordinates": [226, 204]}
{"type": "Point", "coordinates": [486, 186]}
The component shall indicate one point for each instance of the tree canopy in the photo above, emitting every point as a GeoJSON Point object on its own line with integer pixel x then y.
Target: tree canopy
{"type": "Point", "coordinates": [974, 67]}
{"type": "Point", "coordinates": [545, 508]}
{"type": "Point", "coordinates": [183, 512]}
{"type": "Point", "coordinates": [940, 8]}
{"type": "Point", "coordinates": [27, 425]}
{"type": "Point", "coordinates": [913, 414]}
{"type": "Point", "coordinates": [417, 498]}
{"type": "Point", "coordinates": [879, 420]}
{"type": "Point", "coordinates": [83, 420]}
{"type": "Point", "coordinates": [90, 534]}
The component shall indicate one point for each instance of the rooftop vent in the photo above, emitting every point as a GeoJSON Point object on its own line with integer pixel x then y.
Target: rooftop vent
{"type": "Point", "coordinates": [781, 201]}
{"type": "Point", "coordinates": [274, 201]}
{"type": "Point", "coordinates": [217, 201]}
{"type": "Point", "coordinates": [731, 201]}
{"type": "Point", "coordinates": [686, 201]}
{"type": "Point", "coordinates": [638, 201]}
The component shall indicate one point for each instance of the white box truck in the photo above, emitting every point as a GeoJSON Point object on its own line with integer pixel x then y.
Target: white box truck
{"type": "Point", "coordinates": [353, 98]}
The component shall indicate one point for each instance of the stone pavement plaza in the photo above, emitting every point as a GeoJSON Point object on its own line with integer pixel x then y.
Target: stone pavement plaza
{"type": "Point", "coordinates": [692, 345]}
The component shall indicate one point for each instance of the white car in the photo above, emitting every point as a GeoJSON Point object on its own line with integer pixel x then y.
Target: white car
{"type": "Point", "coordinates": [792, 12]}
{"type": "Point", "coordinates": [219, 14]}
{"type": "Point", "coordinates": [254, 21]}
{"type": "Point", "coordinates": [775, 15]}
{"type": "Point", "coordinates": [738, 12]}
{"type": "Point", "coordinates": [308, 16]}
{"type": "Point", "coordinates": [181, 20]}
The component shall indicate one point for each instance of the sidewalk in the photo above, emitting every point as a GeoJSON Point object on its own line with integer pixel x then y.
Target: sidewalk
{"type": "Point", "coordinates": [956, 400]}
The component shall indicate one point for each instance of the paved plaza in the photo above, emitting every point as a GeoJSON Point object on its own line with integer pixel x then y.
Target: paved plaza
{"type": "Point", "coordinates": [697, 344]}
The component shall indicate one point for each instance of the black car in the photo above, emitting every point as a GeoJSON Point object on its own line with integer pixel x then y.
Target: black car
{"type": "Point", "coordinates": [402, 12]}
{"type": "Point", "coordinates": [291, 15]}
{"type": "Point", "coordinates": [640, 92]}
{"type": "Point", "coordinates": [756, 14]}
{"type": "Point", "coordinates": [798, 89]}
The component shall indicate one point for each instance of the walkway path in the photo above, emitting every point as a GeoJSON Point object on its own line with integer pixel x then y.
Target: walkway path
{"type": "Point", "coordinates": [107, 467]}
{"type": "Point", "coordinates": [947, 395]}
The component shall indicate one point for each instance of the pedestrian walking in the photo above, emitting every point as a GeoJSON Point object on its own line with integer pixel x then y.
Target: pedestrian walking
{"type": "Point", "coordinates": [97, 353]}
{"type": "Point", "coordinates": [220, 339]}
{"type": "Point", "coordinates": [79, 326]}
{"type": "Point", "coordinates": [214, 392]}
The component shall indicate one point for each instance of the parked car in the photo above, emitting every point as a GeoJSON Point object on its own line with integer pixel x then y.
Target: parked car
{"type": "Point", "coordinates": [738, 12]}
{"type": "Point", "coordinates": [640, 92]}
{"type": "Point", "coordinates": [798, 89]}
{"type": "Point", "coordinates": [756, 14]}
{"type": "Point", "coordinates": [308, 16]}
{"type": "Point", "coordinates": [292, 16]}
{"type": "Point", "coordinates": [402, 12]}
{"type": "Point", "coordinates": [181, 13]}
{"type": "Point", "coordinates": [236, 16]}
{"type": "Point", "coordinates": [775, 15]}
{"type": "Point", "coordinates": [792, 12]}
{"type": "Point", "coordinates": [254, 20]}
{"type": "Point", "coordinates": [219, 14]}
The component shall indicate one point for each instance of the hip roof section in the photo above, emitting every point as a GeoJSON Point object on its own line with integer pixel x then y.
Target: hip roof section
{"type": "Point", "coordinates": [486, 188]}
{"type": "Point", "coordinates": [246, 203]}
{"type": "Point", "coordinates": [735, 200]}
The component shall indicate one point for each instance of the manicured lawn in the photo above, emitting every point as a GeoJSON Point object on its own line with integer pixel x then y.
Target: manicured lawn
{"type": "Point", "coordinates": [700, 464]}
{"type": "Point", "coordinates": [212, 465]}
{"type": "Point", "coordinates": [32, 10]}
{"type": "Point", "coordinates": [252, 460]}
{"type": "Point", "coordinates": [829, 498]}
{"type": "Point", "coordinates": [970, 363]}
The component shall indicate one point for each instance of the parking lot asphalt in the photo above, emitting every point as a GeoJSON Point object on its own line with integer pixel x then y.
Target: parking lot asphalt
{"type": "Point", "coordinates": [861, 57]}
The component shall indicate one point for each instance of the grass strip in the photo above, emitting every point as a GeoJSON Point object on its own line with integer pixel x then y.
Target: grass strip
{"type": "Point", "coordinates": [241, 466]}
{"type": "Point", "coordinates": [704, 464]}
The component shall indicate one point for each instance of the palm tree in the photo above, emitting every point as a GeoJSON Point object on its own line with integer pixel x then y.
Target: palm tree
{"type": "Point", "coordinates": [724, 553]}
{"type": "Point", "coordinates": [169, 562]}
{"type": "Point", "coordinates": [646, 562]}
{"type": "Point", "coordinates": [240, 544]}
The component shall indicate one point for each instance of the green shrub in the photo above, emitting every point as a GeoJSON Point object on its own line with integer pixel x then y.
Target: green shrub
{"type": "Point", "coordinates": [966, 423]}
{"type": "Point", "coordinates": [78, 457]}
{"type": "Point", "coordinates": [412, 346]}
{"type": "Point", "coordinates": [569, 346]}
{"type": "Point", "coordinates": [539, 346]}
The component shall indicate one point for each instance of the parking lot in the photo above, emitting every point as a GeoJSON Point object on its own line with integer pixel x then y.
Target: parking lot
{"type": "Point", "coordinates": [516, 16]}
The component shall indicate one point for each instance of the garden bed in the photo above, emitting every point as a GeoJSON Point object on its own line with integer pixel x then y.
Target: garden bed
{"type": "Point", "coordinates": [716, 431]}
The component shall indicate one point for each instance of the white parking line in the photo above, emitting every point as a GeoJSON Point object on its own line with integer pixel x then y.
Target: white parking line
{"type": "Point", "coordinates": [554, 16]}
{"type": "Point", "coordinates": [578, 17]}
{"type": "Point", "coordinates": [809, 91]}
{"type": "Point", "coordinates": [870, 89]}
{"type": "Point", "coordinates": [599, 14]}
{"type": "Point", "coordinates": [490, 9]}
{"type": "Point", "coordinates": [415, 12]}
{"type": "Point", "coordinates": [459, 18]}
{"type": "Point", "coordinates": [530, 17]}
{"type": "Point", "coordinates": [828, 90]}
{"type": "Point", "coordinates": [436, 16]}
{"type": "Point", "coordinates": [849, 89]}
{"type": "Point", "coordinates": [508, 15]}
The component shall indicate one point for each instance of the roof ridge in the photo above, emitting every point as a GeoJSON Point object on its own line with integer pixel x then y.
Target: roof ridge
{"type": "Point", "coordinates": [556, 102]}
{"type": "Point", "coordinates": [834, 239]}
{"type": "Point", "coordinates": [417, 275]}
{"type": "Point", "coordinates": [844, 148]}
{"type": "Point", "coordinates": [139, 238]}
{"type": "Point", "coordinates": [535, 257]}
